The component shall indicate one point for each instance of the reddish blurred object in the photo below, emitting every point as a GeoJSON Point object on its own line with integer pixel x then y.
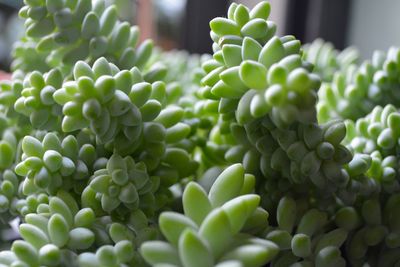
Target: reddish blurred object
{"type": "Point", "coordinates": [4, 76]}
{"type": "Point", "coordinates": [145, 19]}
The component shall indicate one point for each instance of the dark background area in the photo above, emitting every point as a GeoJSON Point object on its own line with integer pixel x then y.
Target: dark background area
{"type": "Point", "coordinates": [305, 19]}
